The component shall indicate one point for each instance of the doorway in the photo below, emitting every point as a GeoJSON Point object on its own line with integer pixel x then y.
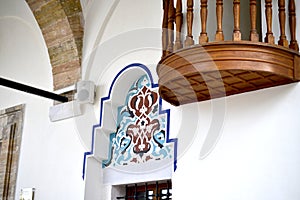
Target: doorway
{"type": "Point", "coordinates": [11, 122]}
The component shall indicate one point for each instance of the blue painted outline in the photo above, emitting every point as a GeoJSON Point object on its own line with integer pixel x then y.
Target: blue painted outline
{"type": "Point", "coordinates": [103, 99]}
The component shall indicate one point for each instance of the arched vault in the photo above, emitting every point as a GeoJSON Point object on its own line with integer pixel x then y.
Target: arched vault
{"type": "Point", "coordinates": [61, 24]}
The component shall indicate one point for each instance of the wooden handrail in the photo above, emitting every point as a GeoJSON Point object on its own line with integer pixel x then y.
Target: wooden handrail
{"type": "Point", "coordinates": [174, 16]}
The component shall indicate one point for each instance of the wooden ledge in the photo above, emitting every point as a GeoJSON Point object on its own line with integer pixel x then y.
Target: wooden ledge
{"type": "Point", "coordinates": [219, 69]}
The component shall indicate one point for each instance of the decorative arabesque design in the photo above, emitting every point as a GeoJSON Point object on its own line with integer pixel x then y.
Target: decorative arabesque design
{"type": "Point", "coordinates": [141, 129]}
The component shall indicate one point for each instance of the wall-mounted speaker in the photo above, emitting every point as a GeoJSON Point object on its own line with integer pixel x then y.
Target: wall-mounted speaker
{"type": "Point", "coordinates": [85, 92]}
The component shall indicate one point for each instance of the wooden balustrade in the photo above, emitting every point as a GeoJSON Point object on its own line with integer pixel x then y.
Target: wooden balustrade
{"type": "Point", "coordinates": [281, 13]}
{"type": "Point", "coordinates": [165, 37]}
{"type": "Point", "coordinates": [219, 11]}
{"type": "Point", "coordinates": [253, 16]}
{"type": "Point", "coordinates": [178, 21]}
{"type": "Point", "coordinates": [191, 72]}
{"type": "Point", "coordinates": [237, 35]}
{"type": "Point", "coordinates": [174, 16]}
{"type": "Point", "coordinates": [189, 19]}
{"type": "Point", "coordinates": [171, 19]}
{"type": "Point", "coordinates": [269, 35]}
{"type": "Point", "coordinates": [203, 38]}
{"type": "Point", "coordinates": [292, 20]}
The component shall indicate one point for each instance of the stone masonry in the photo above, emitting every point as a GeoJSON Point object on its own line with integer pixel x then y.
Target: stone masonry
{"type": "Point", "coordinates": [61, 24]}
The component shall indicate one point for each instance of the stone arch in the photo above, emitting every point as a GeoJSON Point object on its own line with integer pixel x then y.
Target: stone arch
{"type": "Point", "coordinates": [61, 24]}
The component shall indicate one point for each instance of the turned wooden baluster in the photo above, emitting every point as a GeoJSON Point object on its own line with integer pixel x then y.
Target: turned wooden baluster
{"type": "Point", "coordinates": [189, 17]}
{"type": "Point", "coordinates": [219, 11]}
{"type": "Point", "coordinates": [237, 35]}
{"type": "Point", "coordinates": [171, 18]}
{"type": "Point", "coordinates": [269, 36]}
{"type": "Point", "coordinates": [253, 15]}
{"type": "Point", "coordinates": [292, 20]}
{"type": "Point", "coordinates": [281, 14]}
{"type": "Point", "coordinates": [165, 28]}
{"type": "Point", "coordinates": [178, 21]}
{"type": "Point", "coordinates": [203, 38]}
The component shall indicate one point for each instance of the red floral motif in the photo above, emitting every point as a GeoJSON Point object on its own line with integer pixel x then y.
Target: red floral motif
{"type": "Point", "coordinates": [141, 133]}
{"type": "Point", "coordinates": [141, 136]}
{"type": "Point", "coordinates": [141, 105]}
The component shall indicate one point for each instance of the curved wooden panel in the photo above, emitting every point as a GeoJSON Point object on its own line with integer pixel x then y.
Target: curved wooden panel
{"type": "Point", "coordinates": [214, 70]}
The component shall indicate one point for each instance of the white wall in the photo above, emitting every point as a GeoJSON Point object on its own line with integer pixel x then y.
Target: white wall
{"type": "Point", "coordinates": [51, 153]}
{"type": "Point", "coordinates": [256, 156]}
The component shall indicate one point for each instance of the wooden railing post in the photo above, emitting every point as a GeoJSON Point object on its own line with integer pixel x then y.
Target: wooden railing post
{"type": "Point", "coordinates": [292, 20]}
{"type": "Point", "coordinates": [178, 22]}
{"type": "Point", "coordinates": [171, 18]}
{"type": "Point", "coordinates": [189, 18]}
{"type": "Point", "coordinates": [269, 36]}
{"type": "Point", "coordinates": [219, 11]}
{"type": "Point", "coordinates": [203, 38]}
{"type": "Point", "coordinates": [237, 35]}
{"type": "Point", "coordinates": [253, 16]}
{"type": "Point", "coordinates": [281, 14]}
{"type": "Point", "coordinates": [165, 28]}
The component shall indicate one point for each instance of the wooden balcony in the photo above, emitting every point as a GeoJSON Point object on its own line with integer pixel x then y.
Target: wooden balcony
{"type": "Point", "coordinates": [191, 72]}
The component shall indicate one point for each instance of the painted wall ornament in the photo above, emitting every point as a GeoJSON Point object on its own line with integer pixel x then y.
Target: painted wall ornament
{"type": "Point", "coordinates": [141, 129]}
